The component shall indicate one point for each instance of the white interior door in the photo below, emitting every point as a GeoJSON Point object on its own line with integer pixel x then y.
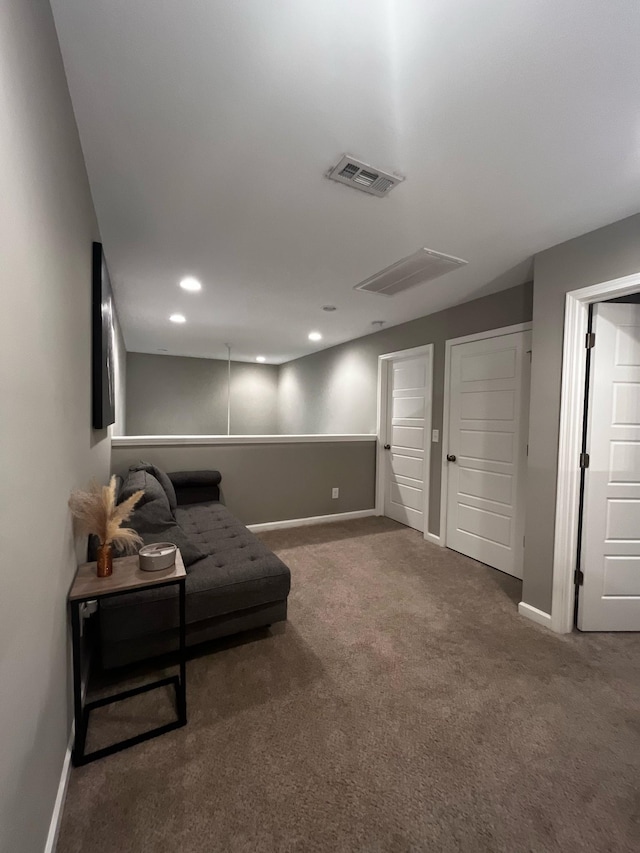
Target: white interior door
{"type": "Point", "coordinates": [408, 418]}
{"type": "Point", "coordinates": [609, 600]}
{"type": "Point", "coordinates": [486, 449]}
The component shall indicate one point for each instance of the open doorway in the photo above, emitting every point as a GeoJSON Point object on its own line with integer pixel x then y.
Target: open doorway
{"type": "Point", "coordinates": [608, 562]}
{"type": "Point", "coordinates": [572, 477]}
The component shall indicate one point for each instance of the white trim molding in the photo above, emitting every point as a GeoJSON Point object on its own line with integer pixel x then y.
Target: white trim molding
{"type": "Point", "coordinates": [565, 546]}
{"type": "Point", "coordinates": [65, 774]}
{"type": "Point", "coordinates": [194, 440]}
{"type": "Point", "coordinates": [61, 796]}
{"type": "Point", "coordinates": [538, 616]}
{"type": "Point", "coordinates": [434, 539]}
{"type": "Point", "coordinates": [444, 444]}
{"type": "Point", "coordinates": [490, 333]}
{"type": "Point", "coordinates": [423, 349]}
{"type": "Point", "coordinates": [313, 519]}
{"type": "Point", "coordinates": [383, 387]}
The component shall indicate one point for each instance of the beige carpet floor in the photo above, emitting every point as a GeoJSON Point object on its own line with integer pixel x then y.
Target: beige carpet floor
{"type": "Point", "coordinates": [405, 706]}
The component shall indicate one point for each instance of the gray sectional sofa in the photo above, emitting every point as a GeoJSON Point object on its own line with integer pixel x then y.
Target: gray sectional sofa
{"type": "Point", "coordinates": [234, 582]}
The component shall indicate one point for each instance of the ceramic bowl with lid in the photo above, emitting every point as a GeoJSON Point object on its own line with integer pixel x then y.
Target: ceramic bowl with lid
{"type": "Point", "coordinates": [158, 556]}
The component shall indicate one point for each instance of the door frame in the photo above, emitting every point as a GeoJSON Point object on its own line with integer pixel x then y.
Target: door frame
{"type": "Point", "coordinates": [565, 545]}
{"type": "Point", "coordinates": [449, 344]}
{"type": "Point", "coordinates": [383, 389]}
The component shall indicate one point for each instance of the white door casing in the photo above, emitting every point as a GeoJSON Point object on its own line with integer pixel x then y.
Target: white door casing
{"type": "Point", "coordinates": [488, 400]}
{"type": "Point", "coordinates": [405, 427]}
{"type": "Point", "coordinates": [565, 542]}
{"type": "Point", "coordinates": [609, 599]}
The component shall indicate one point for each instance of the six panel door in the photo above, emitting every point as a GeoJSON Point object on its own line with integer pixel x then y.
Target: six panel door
{"type": "Point", "coordinates": [488, 422]}
{"type": "Point", "coordinates": [609, 600]}
{"type": "Point", "coordinates": [408, 399]}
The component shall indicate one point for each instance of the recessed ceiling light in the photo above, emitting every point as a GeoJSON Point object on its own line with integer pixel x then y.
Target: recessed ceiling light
{"type": "Point", "coordinates": [315, 336]}
{"type": "Point", "coordinates": [178, 318]}
{"type": "Point", "coordinates": [260, 358]}
{"type": "Point", "coordinates": [328, 307]}
{"type": "Point", "coordinates": [191, 284]}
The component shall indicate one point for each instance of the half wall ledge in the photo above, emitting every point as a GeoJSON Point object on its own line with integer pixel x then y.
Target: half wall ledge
{"type": "Point", "coordinates": [202, 440]}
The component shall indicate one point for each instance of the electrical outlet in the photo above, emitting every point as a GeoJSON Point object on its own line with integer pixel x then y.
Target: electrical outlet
{"type": "Point", "coordinates": [335, 493]}
{"type": "Point", "coordinates": [435, 435]}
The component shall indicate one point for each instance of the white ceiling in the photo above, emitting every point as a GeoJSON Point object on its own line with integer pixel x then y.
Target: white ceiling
{"type": "Point", "coordinates": [207, 126]}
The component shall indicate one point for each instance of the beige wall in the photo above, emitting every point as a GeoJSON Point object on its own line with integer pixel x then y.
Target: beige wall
{"type": "Point", "coordinates": [171, 395]}
{"type": "Point", "coordinates": [334, 391]}
{"type": "Point", "coordinates": [602, 255]}
{"type": "Point", "coordinates": [274, 482]}
{"type": "Point", "coordinates": [47, 447]}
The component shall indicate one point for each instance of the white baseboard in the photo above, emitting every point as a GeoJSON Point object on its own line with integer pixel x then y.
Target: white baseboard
{"type": "Point", "coordinates": [534, 614]}
{"type": "Point", "coordinates": [314, 519]}
{"type": "Point", "coordinates": [431, 537]}
{"type": "Point", "coordinates": [58, 808]}
{"type": "Point", "coordinates": [63, 784]}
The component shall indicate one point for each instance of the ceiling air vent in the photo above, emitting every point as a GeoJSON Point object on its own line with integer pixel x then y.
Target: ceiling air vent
{"type": "Point", "coordinates": [354, 173]}
{"type": "Point", "coordinates": [424, 265]}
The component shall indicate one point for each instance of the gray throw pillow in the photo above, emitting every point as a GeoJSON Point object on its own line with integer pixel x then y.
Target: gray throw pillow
{"type": "Point", "coordinates": [162, 478]}
{"type": "Point", "coordinates": [133, 482]}
{"type": "Point", "coordinates": [152, 517]}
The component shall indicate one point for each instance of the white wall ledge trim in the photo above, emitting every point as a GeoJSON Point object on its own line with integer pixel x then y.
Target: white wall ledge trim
{"type": "Point", "coordinates": [201, 440]}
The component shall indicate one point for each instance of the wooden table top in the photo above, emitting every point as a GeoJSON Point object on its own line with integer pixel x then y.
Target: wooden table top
{"type": "Point", "coordinates": [127, 575]}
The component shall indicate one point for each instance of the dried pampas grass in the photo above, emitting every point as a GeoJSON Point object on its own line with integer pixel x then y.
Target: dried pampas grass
{"type": "Point", "coordinates": [96, 512]}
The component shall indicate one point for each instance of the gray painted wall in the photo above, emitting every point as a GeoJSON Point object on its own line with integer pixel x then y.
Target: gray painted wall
{"type": "Point", "coordinates": [172, 395]}
{"type": "Point", "coordinates": [120, 358]}
{"type": "Point", "coordinates": [274, 482]}
{"type": "Point", "coordinates": [605, 254]}
{"type": "Point", "coordinates": [47, 447]}
{"type": "Point", "coordinates": [335, 391]}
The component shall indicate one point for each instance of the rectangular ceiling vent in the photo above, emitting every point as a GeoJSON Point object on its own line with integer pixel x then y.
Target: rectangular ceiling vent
{"type": "Point", "coordinates": [354, 173]}
{"type": "Point", "coordinates": [419, 268]}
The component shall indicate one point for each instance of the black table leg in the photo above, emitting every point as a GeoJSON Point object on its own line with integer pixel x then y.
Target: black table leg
{"type": "Point", "coordinates": [78, 710]}
{"type": "Point", "coordinates": [182, 702]}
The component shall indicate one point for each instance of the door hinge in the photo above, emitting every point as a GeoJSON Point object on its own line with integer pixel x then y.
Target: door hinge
{"type": "Point", "coordinates": [584, 460]}
{"type": "Point", "coordinates": [591, 340]}
{"type": "Point", "coordinates": [578, 577]}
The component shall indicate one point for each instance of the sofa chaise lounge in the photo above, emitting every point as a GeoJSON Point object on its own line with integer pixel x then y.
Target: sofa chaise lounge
{"type": "Point", "coordinates": [234, 582]}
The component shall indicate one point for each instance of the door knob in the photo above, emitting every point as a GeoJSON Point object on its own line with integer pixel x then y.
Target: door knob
{"type": "Point", "coordinates": [387, 447]}
{"type": "Point", "coordinates": [451, 457]}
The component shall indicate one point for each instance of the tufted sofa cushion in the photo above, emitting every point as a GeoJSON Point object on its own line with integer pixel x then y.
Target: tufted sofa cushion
{"type": "Point", "coordinates": [213, 529]}
{"type": "Point", "coordinates": [239, 572]}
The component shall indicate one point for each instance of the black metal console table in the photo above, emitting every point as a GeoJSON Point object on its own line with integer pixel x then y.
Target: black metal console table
{"type": "Point", "coordinates": [126, 577]}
